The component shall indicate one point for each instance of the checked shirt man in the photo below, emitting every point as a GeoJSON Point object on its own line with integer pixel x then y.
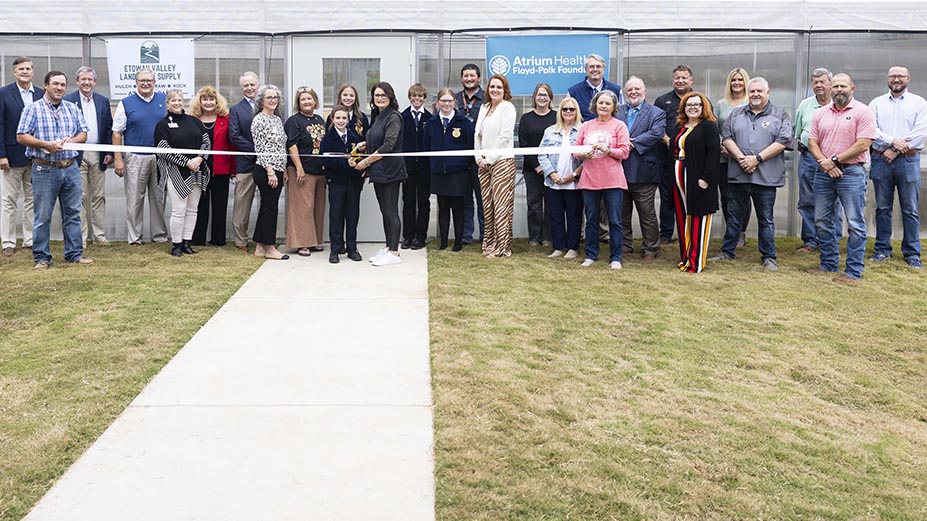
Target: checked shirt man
{"type": "Point", "coordinates": [45, 127]}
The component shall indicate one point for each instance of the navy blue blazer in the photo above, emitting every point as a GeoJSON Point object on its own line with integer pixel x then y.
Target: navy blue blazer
{"type": "Point", "coordinates": [413, 138]}
{"type": "Point", "coordinates": [240, 116]}
{"type": "Point", "coordinates": [582, 93]}
{"type": "Point", "coordinates": [11, 108]}
{"type": "Point", "coordinates": [104, 122]}
{"type": "Point", "coordinates": [643, 164]}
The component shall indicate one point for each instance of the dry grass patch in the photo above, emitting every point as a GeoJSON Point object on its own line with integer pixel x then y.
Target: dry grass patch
{"type": "Point", "coordinates": [570, 393]}
{"type": "Point", "coordinates": [78, 343]}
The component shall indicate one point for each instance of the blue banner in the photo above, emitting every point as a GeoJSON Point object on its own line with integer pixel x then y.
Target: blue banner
{"type": "Point", "coordinates": [555, 59]}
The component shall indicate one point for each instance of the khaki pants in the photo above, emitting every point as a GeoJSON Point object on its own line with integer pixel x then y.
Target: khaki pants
{"type": "Point", "coordinates": [13, 183]}
{"type": "Point", "coordinates": [93, 207]}
{"type": "Point", "coordinates": [241, 211]}
{"type": "Point", "coordinates": [142, 176]}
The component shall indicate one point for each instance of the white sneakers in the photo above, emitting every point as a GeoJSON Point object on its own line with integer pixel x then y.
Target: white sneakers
{"type": "Point", "coordinates": [377, 255]}
{"type": "Point", "coordinates": [387, 259]}
{"type": "Point", "coordinates": [586, 263]}
{"type": "Point", "coordinates": [555, 254]}
{"type": "Point", "coordinates": [570, 254]}
{"type": "Point", "coordinates": [615, 265]}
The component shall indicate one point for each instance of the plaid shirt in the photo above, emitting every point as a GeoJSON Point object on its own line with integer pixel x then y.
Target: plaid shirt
{"type": "Point", "coordinates": [46, 122]}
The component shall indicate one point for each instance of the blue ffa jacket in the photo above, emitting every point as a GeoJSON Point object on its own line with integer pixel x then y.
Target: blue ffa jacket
{"type": "Point", "coordinates": [11, 108]}
{"type": "Point", "coordinates": [336, 169]}
{"type": "Point", "coordinates": [457, 136]}
{"type": "Point", "coordinates": [104, 122]}
{"type": "Point", "coordinates": [413, 138]}
{"type": "Point", "coordinates": [643, 164]}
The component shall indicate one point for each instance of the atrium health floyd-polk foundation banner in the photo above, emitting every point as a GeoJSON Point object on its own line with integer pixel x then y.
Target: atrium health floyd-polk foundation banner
{"type": "Point", "coordinates": [555, 59]}
{"type": "Point", "coordinates": [171, 60]}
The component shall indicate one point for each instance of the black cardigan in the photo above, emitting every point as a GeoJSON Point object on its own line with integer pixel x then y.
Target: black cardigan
{"type": "Point", "coordinates": [703, 155]}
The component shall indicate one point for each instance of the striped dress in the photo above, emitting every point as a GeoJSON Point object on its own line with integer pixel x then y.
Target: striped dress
{"type": "Point", "coordinates": [693, 243]}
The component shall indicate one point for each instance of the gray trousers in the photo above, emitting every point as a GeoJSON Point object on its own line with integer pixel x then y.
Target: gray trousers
{"type": "Point", "coordinates": [141, 177]}
{"type": "Point", "coordinates": [16, 182]}
{"type": "Point", "coordinates": [641, 196]}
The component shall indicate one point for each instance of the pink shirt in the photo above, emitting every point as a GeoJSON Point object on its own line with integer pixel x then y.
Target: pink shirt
{"type": "Point", "coordinates": [837, 130]}
{"type": "Point", "coordinates": [602, 173]}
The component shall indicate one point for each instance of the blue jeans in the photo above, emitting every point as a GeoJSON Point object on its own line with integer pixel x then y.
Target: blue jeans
{"type": "Point", "coordinates": [904, 174]}
{"type": "Point", "coordinates": [850, 190]}
{"type": "Point", "coordinates": [807, 167]}
{"type": "Point", "coordinates": [566, 217]}
{"type": "Point", "coordinates": [50, 184]}
{"type": "Point", "coordinates": [667, 204]}
{"type": "Point", "coordinates": [469, 207]}
{"type": "Point", "coordinates": [613, 199]}
{"type": "Point", "coordinates": [738, 202]}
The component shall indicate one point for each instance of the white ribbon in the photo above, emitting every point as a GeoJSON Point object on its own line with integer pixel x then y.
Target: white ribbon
{"type": "Point", "coordinates": [528, 151]}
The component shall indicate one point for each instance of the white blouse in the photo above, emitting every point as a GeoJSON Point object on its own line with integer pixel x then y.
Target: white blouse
{"type": "Point", "coordinates": [495, 131]}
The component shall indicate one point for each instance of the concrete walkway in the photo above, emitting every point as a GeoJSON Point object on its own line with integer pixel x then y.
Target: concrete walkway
{"type": "Point", "coordinates": [306, 397]}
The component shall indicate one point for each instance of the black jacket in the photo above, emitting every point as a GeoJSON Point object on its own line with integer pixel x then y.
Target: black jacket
{"type": "Point", "coordinates": [703, 155]}
{"type": "Point", "coordinates": [336, 169]}
{"type": "Point", "coordinates": [413, 138]}
{"type": "Point", "coordinates": [385, 137]}
{"type": "Point", "coordinates": [458, 136]}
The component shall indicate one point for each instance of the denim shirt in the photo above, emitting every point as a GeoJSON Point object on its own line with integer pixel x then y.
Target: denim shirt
{"type": "Point", "coordinates": [549, 162]}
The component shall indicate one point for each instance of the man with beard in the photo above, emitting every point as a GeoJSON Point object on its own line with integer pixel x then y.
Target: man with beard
{"type": "Point", "coordinates": [755, 135]}
{"type": "Point", "coordinates": [469, 100]}
{"type": "Point", "coordinates": [901, 118]}
{"type": "Point", "coordinates": [839, 140]}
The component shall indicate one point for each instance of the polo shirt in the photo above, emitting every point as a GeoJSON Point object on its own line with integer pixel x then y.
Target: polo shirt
{"type": "Point", "coordinates": [753, 132]}
{"type": "Point", "coordinates": [46, 122]}
{"type": "Point", "coordinates": [803, 115]}
{"type": "Point", "coordinates": [836, 130]}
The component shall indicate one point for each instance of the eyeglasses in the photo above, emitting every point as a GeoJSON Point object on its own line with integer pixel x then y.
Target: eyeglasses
{"type": "Point", "coordinates": [897, 76]}
{"type": "Point", "coordinates": [446, 100]}
{"type": "Point", "coordinates": [271, 97]}
{"type": "Point", "coordinates": [693, 105]}
{"type": "Point", "coordinates": [568, 109]}
{"type": "Point", "coordinates": [542, 95]}
{"type": "Point", "coordinates": [144, 81]}
{"type": "Point", "coordinates": [380, 96]}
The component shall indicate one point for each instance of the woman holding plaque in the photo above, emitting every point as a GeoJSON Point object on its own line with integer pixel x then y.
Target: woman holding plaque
{"type": "Point", "coordinates": [305, 193]}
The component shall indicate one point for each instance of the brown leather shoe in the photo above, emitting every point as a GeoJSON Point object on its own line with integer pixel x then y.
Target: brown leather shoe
{"type": "Point", "coordinates": [243, 248]}
{"type": "Point", "coordinates": [818, 271]}
{"type": "Point", "coordinates": [8, 252]}
{"type": "Point", "coordinates": [846, 279]}
{"type": "Point", "coordinates": [807, 249]}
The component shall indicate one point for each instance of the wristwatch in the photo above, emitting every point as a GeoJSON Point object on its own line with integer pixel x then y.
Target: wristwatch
{"type": "Point", "coordinates": [759, 158]}
{"type": "Point", "coordinates": [834, 160]}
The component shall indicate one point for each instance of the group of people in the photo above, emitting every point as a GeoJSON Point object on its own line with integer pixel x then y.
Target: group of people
{"type": "Point", "coordinates": [699, 157]}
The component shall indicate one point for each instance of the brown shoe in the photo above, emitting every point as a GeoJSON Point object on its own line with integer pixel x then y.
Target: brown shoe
{"type": "Point", "coordinates": [807, 249]}
{"type": "Point", "coordinates": [243, 248]}
{"type": "Point", "coordinates": [846, 279]}
{"type": "Point", "coordinates": [8, 252]}
{"type": "Point", "coordinates": [41, 265]}
{"type": "Point", "coordinates": [83, 260]}
{"type": "Point", "coordinates": [818, 271]}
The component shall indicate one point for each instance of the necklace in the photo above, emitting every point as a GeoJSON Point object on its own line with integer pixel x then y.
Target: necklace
{"type": "Point", "coordinates": [209, 126]}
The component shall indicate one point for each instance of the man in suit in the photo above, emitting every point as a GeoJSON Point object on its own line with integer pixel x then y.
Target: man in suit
{"type": "Point", "coordinates": [133, 125]}
{"type": "Point", "coordinates": [592, 84]}
{"type": "Point", "coordinates": [416, 189]}
{"type": "Point", "coordinates": [240, 116]}
{"type": "Point", "coordinates": [95, 108]}
{"type": "Point", "coordinates": [15, 167]}
{"type": "Point", "coordinates": [646, 126]}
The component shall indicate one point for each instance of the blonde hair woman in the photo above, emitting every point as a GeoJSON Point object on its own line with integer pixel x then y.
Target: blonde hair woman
{"type": "Point", "coordinates": [212, 110]}
{"type": "Point", "coordinates": [561, 174]}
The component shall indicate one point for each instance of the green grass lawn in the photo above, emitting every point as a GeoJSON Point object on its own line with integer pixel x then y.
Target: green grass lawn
{"type": "Point", "coordinates": [78, 343]}
{"type": "Point", "coordinates": [568, 393]}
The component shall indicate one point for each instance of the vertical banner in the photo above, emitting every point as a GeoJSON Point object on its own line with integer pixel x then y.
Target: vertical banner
{"type": "Point", "coordinates": [171, 60]}
{"type": "Point", "coordinates": [555, 59]}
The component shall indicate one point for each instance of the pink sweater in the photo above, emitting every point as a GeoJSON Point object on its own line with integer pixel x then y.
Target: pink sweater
{"type": "Point", "coordinates": [602, 173]}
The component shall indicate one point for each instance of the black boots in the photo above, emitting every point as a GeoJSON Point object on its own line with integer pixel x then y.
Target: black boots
{"type": "Point", "coordinates": [185, 247]}
{"type": "Point", "coordinates": [177, 249]}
